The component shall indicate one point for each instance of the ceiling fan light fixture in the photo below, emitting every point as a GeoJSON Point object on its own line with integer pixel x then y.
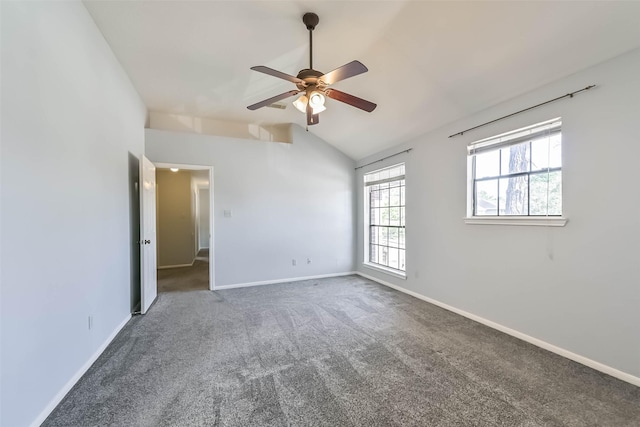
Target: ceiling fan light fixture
{"type": "Point", "coordinates": [301, 104]}
{"type": "Point", "coordinates": [319, 109]}
{"type": "Point", "coordinates": [316, 99]}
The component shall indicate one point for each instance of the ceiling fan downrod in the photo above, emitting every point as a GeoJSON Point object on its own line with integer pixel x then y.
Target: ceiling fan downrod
{"type": "Point", "coordinates": [310, 19]}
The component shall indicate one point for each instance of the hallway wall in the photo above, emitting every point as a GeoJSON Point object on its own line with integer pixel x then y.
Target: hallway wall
{"type": "Point", "coordinates": [176, 226]}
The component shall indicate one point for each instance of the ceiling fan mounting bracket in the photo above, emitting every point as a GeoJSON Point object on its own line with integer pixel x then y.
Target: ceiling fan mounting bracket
{"type": "Point", "coordinates": [310, 19]}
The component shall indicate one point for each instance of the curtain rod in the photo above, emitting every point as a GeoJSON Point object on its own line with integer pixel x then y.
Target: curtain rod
{"type": "Point", "coordinates": [570, 95]}
{"type": "Point", "coordinates": [385, 158]}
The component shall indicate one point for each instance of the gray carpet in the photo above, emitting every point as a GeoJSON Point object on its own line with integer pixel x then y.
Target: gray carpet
{"type": "Point", "coordinates": [191, 278]}
{"type": "Point", "coordinates": [331, 352]}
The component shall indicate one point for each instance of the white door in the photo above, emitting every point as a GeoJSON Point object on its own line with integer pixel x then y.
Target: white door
{"type": "Point", "coordinates": [148, 273]}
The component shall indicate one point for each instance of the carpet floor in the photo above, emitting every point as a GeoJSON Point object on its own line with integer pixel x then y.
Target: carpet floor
{"type": "Point", "coordinates": [333, 352]}
{"type": "Point", "coordinates": [191, 278]}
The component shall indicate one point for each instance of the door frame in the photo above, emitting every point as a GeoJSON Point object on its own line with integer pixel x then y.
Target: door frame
{"type": "Point", "coordinates": [163, 165]}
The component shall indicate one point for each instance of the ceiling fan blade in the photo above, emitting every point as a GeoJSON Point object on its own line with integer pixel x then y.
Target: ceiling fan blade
{"type": "Point", "coordinates": [354, 101]}
{"type": "Point", "coordinates": [351, 69]}
{"type": "Point", "coordinates": [273, 99]}
{"type": "Point", "coordinates": [276, 73]}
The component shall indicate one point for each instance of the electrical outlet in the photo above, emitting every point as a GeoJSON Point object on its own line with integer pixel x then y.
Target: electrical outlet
{"type": "Point", "coordinates": [293, 262]}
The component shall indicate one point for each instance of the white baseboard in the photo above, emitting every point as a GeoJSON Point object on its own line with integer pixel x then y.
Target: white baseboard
{"type": "Point", "coordinates": [293, 279]}
{"type": "Point", "coordinates": [74, 379]}
{"type": "Point", "coordinates": [163, 267]}
{"type": "Point", "coordinates": [535, 341]}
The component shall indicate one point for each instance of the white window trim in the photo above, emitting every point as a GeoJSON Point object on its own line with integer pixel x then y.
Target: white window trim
{"type": "Point", "coordinates": [543, 221]}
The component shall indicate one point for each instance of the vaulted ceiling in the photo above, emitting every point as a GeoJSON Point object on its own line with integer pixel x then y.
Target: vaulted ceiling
{"type": "Point", "coordinates": [430, 63]}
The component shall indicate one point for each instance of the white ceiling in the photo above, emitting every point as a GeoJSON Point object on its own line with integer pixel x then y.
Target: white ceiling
{"type": "Point", "coordinates": [430, 63]}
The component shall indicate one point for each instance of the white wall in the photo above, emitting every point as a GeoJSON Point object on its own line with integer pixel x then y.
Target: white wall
{"type": "Point", "coordinates": [222, 128]}
{"type": "Point", "coordinates": [203, 218]}
{"type": "Point", "coordinates": [70, 116]}
{"type": "Point", "coordinates": [287, 201]}
{"type": "Point", "coordinates": [576, 287]}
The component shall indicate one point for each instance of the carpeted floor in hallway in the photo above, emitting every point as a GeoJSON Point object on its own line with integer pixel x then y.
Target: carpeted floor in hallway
{"type": "Point", "coordinates": [333, 352]}
{"type": "Point", "coordinates": [191, 278]}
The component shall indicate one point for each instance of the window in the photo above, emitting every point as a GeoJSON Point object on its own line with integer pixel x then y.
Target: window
{"type": "Point", "coordinates": [518, 173]}
{"type": "Point", "coordinates": [384, 218]}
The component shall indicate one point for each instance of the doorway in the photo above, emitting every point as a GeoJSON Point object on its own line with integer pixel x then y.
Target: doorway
{"type": "Point", "coordinates": [184, 200]}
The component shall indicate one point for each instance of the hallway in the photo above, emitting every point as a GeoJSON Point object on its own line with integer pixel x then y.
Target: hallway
{"type": "Point", "coordinates": [194, 278]}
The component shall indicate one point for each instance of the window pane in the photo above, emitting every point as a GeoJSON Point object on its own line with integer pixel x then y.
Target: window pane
{"type": "Point", "coordinates": [393, 258]}
{"type": "Point", "coordinates": [394, 196]}
{"type": "Point", "coordinates": [375, 216]}
{"type": "Point", "coordinates": [394, 216]}
{"type": "Point", "coordinates": [515, 158]}
{"type": "Point", "coordinates": [373, 235]}
{"type": "Point", "coordinates": [556, 151]}
{"type": "Point", "coordinates": [401, 238]}
{"type": "Point", "coordinates": [402, 195]}
{"type": "Point", "coordinates": [514, 196]}
{"type": "Point", "coordinates": [555, 193]}
{"type": "Point", "coordinates": [546, 193]}
{"type": "Point", "coordinates": [401, 255]}
{"type": "Point", "coordinates": [373, 253]}
{"type": "Point", "coordinates": [402, 210]}
{"type": "Point", "coordinates": [546, 152]}
{"type": "Point", "coordinates": [393, 237]}
{"type": "Point", "coordinates": [486, 198]}
{"type": "Point", "coordinates": [374, 199]}
{"type": "Point", "coordinates": [383, 234]}
{"type": "Point", "coordinates": [383, 255]}
{"type": "Point", "coordinates": [487, 164]}
{"type": "Point", "coordinates": [539, 154]}
{"type": "Point", "coordinates": [384, 196]}
{"type": "Point", "coordinates": [384, 216]}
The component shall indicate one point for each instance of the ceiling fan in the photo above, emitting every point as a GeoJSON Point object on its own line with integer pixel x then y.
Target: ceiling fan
{"type": "Point", "coordinates": [315, 84]}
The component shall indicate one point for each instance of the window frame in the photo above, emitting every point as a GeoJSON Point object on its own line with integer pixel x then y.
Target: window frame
{"type": "Point", "coordinates": [368, 188]}
{"type": "Point", "coordinates": [497, 143]}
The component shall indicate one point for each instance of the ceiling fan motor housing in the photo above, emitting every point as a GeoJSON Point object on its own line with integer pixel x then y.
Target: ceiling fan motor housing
{"type": "Point", "coordinates": [309, 77]}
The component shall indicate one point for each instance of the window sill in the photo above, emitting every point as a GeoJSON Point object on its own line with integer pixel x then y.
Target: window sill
{"type": "Point", "coordinates": [382, 269]}
{"type": "Point", "coordinates": [542, 221]}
